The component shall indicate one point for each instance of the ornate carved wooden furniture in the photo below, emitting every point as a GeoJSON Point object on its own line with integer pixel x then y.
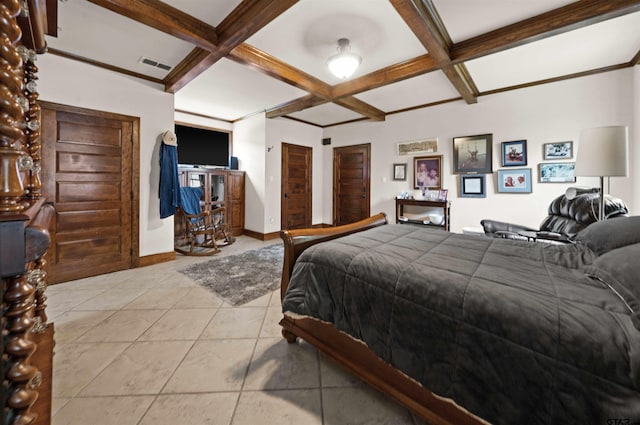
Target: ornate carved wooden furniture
{"type": "Point", "coordinates": [27, 337]}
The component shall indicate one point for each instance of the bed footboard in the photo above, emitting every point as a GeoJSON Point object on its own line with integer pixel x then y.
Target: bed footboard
{"type": "Point", "coordinates": [296, 241]}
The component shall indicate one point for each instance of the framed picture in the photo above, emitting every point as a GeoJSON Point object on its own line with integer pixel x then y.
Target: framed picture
{"type": "Point", "coordinates": [557, 172]}
{"type": "Point", "coordinates": [473, 186]}
{"type": "Point", "coordinates": [427, 172]}
{"type": "Point", "coordinates": [418, 147]}
{"type": "Point", "coordinates": [442, 196]}
{"type": "Point", "coordinates": [561, 150]}
{"type": "Point", "coordinates": [472, 154]}
{"type": "Point", "coordinates": [514, 153]}
{"type": "Point", "coordinates": [514, 181]}
{"type": "Point", "coordinates": [400, 171]}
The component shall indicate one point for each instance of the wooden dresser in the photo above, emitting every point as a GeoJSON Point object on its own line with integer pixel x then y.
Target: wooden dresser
{"type": "Point", "coordinates": [26, 334]}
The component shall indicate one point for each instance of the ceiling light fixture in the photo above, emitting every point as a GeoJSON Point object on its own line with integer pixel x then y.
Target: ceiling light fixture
{"type": "Point", "coordinates": [345, 63]}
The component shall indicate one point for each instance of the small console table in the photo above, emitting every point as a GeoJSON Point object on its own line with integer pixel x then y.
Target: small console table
{"type": "Point", "coordinates": [442, 207]}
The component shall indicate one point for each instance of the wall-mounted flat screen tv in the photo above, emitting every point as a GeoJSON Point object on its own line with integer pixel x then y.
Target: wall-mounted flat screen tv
{"type": "Point", "coordinates": [199, 146]}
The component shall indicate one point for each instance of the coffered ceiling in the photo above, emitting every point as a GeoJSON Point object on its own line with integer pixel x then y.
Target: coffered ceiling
{"type": "Point", "coordinates": [230, 59]}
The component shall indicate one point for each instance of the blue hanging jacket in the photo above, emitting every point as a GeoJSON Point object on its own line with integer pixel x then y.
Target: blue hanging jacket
{"type": "Point", "coordinates": [169, 183]}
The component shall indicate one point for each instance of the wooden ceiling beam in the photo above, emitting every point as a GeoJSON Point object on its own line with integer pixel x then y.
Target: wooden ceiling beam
{"type": "Point", "coordinates": [563, 19]}
{"type": "Point", "coordinates": [320, 92]}
{"type": "Point", "coordinates": [391, 74]}
{"type": "Point", "coordinates": [165, 18]}
{"type": "Point", "coordinates": [423, 19]}
{"type": "Point", "coordinates": [245, 20]}
{"type": "Point", "coordinates": [296, 105]}
{"type": "Point", "coordinates": [267, 64]}
{"type": "Point", "coordinates": [363, 108]}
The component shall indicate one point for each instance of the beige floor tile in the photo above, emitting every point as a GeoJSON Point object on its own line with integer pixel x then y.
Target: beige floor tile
{"type": "Point", "coordinates": [271, 327]}
{"type": "Point", "coordinates": [157, 298]}
{"type": "Point", "coordinates": [333, 374]}
{"type": "Point", "coordinates": [143, 368]}
{"type": "Point", "coordinates": [192, 409]}
{"type": "Point", "coordinates": [61, 301]}
{"type": "Point", "coordinates": [199, 297]}
{"type": "Point", "coordinates": [73, 324]}
{"type": "Point", "coordinates": [276, 364]}
{"type": "Point", "coordinates": [215, 365]}
{"type": "Point", "coordinates": [275, 299]}
{"type": "Point", "coordinates": [123, 325]}
{"type": "Point", "coordinates": [75, 365]}
{"type": "Point", "coordinates": [179, 324]}
{"type": "Point", "coordinates": [111, 300]}
{"type": "Point", "coordinates": [235, 323]}
{"type": "Point", "coordinates": [103, 411]}
{"type": "Point", "coordinates": [282, 407]}
{"type": "Point", "coordinates": [345, 405]}
{"type": "Point", "coordinates": [57, 404]}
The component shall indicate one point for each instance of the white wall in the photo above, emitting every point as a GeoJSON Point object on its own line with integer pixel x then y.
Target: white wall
{"type": "Point", "coordinates": [296, 133]}
{"type": "Point", "coordinates": [74, 83]}
{"type": "Point", "coordinates": [541, 114]}
{"type": "Point", "coordinates": [203, 121]}
{"type": "Point", "coordinates": [249, 145]}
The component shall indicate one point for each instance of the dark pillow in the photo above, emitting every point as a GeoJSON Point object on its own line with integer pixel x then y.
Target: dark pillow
{"type": "Point", "coordinates": [619, 269]}
{"type": "Point", "coordinates": [603, 236]}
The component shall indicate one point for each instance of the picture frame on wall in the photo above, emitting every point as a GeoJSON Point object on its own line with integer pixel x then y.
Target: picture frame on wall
{"type": "Point", "coordinates": [556, 172]}
{"type": "Point", "coordinates": [472, 154]}
{"type": "Point", "coordinates": [473, 186]}
{"type": "Point", "coordinates": [427, 172]}
{"type": "Point", "coordinates": [418, 147]}
{"type": "Point", "coordinates": [400, 172]}
{"type": "Point", "coordinates": [514, 180]}
{"type": "Point", "coordinates": [514, 153]}
{"type": "Point", "coordinates": [559, 150]}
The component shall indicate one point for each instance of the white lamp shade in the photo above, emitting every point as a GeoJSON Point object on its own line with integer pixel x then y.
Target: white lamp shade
{"type": "Point", "coordinates": [343, 65]}
{"type": "Point", "coordinates": [603, 152]}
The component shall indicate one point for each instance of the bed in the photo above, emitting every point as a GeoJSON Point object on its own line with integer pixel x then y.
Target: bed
{"type": "Point", "coordinates": [465, 329]}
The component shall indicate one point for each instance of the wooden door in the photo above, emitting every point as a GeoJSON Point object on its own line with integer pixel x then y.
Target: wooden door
{"type": "Point", "coordinates": [88, 176]}
{"type": "Point", "coordinates": [296, 191]}
{"type": "Point", "coordinates": [351, 183]}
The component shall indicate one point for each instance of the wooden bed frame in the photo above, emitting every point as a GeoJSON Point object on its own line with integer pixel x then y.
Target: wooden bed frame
{"type": "Point", "coordinates": [352, 353]}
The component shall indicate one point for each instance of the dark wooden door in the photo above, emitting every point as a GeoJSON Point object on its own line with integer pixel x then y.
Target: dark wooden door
{"type": "Point", "coordinates": [296, 191]}
{"type": "Point", "coordinates": [351, 183]}
{"type": "Point", "coordinates": [87, 174]}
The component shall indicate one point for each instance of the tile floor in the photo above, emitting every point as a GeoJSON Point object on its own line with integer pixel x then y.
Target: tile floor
{"type": "Point", "coordinates": [149, 346]}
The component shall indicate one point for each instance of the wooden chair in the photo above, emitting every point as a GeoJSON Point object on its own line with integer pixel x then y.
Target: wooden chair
{"type": "Point", "coordinates": [205, 230]}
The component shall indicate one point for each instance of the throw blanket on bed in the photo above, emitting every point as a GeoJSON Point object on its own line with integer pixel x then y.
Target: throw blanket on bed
{"type": "Point", "coordinates": [512, 331]}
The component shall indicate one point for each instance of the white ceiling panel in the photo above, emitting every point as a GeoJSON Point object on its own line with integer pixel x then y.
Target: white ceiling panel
{"type": "Point", "coordinates": [607, 43]}
{"type": "Point", "coordinates": [230, 91]}
{"type": "Point", "coordinates": [96, 33]}
{"type": "Point", "coordinates": [307, 34]}
{"type": "Point", "coordinates": [210, 11]}
{"type": "Point", "coordinates": [325, 114]}
{"type": "Point", "coordinates": [427, 88]}
{"type": "Point", "coordinates": [465, 19]}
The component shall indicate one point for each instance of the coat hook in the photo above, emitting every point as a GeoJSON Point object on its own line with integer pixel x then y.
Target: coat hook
{"type": "Point", "coordinates": [269, 148]}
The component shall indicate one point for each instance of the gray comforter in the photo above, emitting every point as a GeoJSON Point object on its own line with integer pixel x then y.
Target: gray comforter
{"type": "Point", "coordinates": [513, 331]}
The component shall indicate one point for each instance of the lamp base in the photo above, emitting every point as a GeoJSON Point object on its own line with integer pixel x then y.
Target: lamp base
{"type": "Point", "coordinates": [601, 206]}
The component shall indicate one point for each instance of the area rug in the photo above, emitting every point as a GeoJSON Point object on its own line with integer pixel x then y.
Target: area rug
{"type": "Point", "coordinates": [240, 278]}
